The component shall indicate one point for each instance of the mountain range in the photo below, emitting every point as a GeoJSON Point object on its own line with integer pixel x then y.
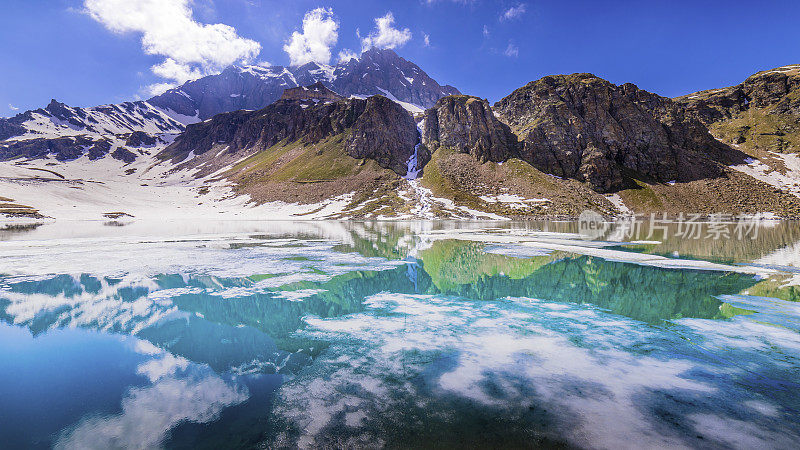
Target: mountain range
{"type": "Point", "coordinates": [376, 137]}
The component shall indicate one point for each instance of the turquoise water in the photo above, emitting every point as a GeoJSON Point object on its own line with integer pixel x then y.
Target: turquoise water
{"type": "Point", "coordinates": [355, 335]}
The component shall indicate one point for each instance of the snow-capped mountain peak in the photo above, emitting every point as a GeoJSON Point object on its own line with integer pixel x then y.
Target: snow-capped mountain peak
{"type": "Point", "coordinates": [254, 87]}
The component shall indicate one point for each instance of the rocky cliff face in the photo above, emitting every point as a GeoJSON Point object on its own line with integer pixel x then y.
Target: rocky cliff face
{"type": "Point", "coordinates": [9, 129]}
{"type": "Point", "coordinates": [386, 133]}
{"type": "Point", "coordinates": [583, 127]}
{"type": "Point", "coordinates": [468, 125]}
{"type": "Point", "coordinates": [376, 128]}
{"type": "Point", "coordinates": [778, 89]}
{"type": "Point", "coordinates": [315, 92]}
{"type": "Point", "coordinates": [376, 72]}
{"type": "Point", "coordinates": [762, 113]}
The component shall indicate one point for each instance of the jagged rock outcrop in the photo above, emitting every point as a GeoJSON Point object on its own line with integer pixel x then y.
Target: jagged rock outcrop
{"type": "Point", "coordinates": [62, 149]}
{"type": "Point", "coordinates": [140, 139]}
{"type": "Point", "coordinates": [124, 155]}
{"type": "Point", "coordinates": [377, 128]}
{"type": "Point", "coordinates": [386, 133]}
{"type": "Point", "coordinates": [99, 149]}
{"type": "Point", "coordinates": [778, 89]}
{"type": "Point", "coordinates": [583, 127]}
{"type": "Point", "coordinates": [762, 113]}
{"type": "Point", "coordinates": [315, 92]}
{"type": "Point", "coordinates": [9, 129]}
{"type": "Point", "coordinates": [375, 72]}
{"type": "Point", "coordinates": [468, 125]}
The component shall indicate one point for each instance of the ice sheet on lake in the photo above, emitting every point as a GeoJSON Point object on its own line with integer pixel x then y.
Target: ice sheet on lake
{"type": "Point", "coordinates": [599, 378]}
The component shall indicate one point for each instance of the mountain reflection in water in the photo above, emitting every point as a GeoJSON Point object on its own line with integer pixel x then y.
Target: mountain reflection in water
{"type": "Point", "coordinates": [387, 336]}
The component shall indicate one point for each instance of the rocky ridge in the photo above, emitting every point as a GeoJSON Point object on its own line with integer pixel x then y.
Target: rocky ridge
{"type": "Point", "coordinates": [316, 92]}
{"type": "Point", "coordinates": [583, 127]}
{"type": "Point", "coordinates": [761, 114]}
{"type": "Point", "coordinates": [376, 128]}
{"type": "Point", "coordinates": [68, 133]}
{"type": "Point", "coordinates": [553, 148]}
{"type": "Point", "coordinates": [254, 87]}
{"type": "Point", "coordinates": [550, 149]}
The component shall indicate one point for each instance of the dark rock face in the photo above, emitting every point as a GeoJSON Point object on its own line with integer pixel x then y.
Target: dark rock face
{"type": "Point", "coordinates": [379, 129]}
{"type": "Point", "coordinates": [9, 129]}
{"type": "Point", "coordinates": [314, 92]}
{"type": "Point", "coordinates": [99, 149]}
{"type": "Point", "coordinates": [282, 120]}
{"type": "Point", "coordinates": [140, 139]}
{"type": "Point", "coordinates": [124, 155]}
{"type": "Point", "coordinates": [776, 89]}
{"type": "Point", "coordinates": [254, 87]}
{"type": "Point", "coordinates": [386, 133]}
{"type": "Point", "coordinates": [468, 125]}
{"type": "Point", "coordinates": [63, 149]}
{"type": "Point", "coordinates": [583, 127]}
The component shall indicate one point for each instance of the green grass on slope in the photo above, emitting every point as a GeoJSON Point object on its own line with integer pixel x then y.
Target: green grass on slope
{"type": "Point", "coordinates": [642, 198]}
{"type": "Point", "coordinates": [304, 163]}
{"type": "Point", "coordinates": [437, 177]}
{"type": "Point", "coordinates": [453, 263]}
{"type": "Point", "coordinates": [759, 130]}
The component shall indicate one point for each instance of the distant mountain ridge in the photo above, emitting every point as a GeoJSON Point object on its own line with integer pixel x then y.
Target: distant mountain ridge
{"type": "Point", "coordinates": [68, 133]}
{"type": "Point", "coordinates": [376, 72]}
{"type": "Point", "coordinates": [555, 147]}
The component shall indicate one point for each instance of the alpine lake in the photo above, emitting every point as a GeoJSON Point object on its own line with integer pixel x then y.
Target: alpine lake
{"type": "Point", "coordinates": [398, 335]}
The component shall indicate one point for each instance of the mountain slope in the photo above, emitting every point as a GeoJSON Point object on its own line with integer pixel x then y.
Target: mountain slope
{"type": "Point", "coordinates": [583, 127]}
{"type": "Point", "coordinates": [254, 87]}
{"type": "Point", "coordinates": [760, 114]}
{"type": "Point", "coordinates": [760, 117]}
{"type": "Point", "coordinates": [68, 133]}
{"type": "Point", "coordinates": [553, 148]}
{"type": "Point", "coordinates": [375, 128]}
{"type": "Point", "coordinates": [648, 150]}
{"type": "Point", "coordinates": [130, 129]}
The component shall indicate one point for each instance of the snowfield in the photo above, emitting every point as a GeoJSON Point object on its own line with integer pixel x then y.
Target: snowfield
{"type": "Point", "coordinates": [146, 189]}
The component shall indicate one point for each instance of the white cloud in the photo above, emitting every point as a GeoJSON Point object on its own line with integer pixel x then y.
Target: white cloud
{"type": "Point", "coordinates": [385, 35]}
{"type": "Point", "coordinates": [346, 55]}
{"type": "Point", "coordinates": [173, 70]}
{"type": "Point", "coordinates": [426, 39]}
{"type": "Point", "coordinates": [148, 413]}
{"type": "Point", "coordinates": [485, 31]}
{"type": "Point", "coordinates": [191, 49]}
{"type": "Point", "coordinates": [514, 12]}
{"type": "Point", "coordinates": [12, 107]}
{"type": "Point", "coordinates": [512, 51]}
{"type": "Point", "coordinates": [157, 88]}
{"type": "Point", "coordinates": [320, 33]}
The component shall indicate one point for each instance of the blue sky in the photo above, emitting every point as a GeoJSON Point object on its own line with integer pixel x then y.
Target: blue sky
{"type": "Point", "coordinates": [86, 53]}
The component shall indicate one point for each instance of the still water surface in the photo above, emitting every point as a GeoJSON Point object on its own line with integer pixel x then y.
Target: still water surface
{"type": "Point", "coordinates": [371, 335]}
